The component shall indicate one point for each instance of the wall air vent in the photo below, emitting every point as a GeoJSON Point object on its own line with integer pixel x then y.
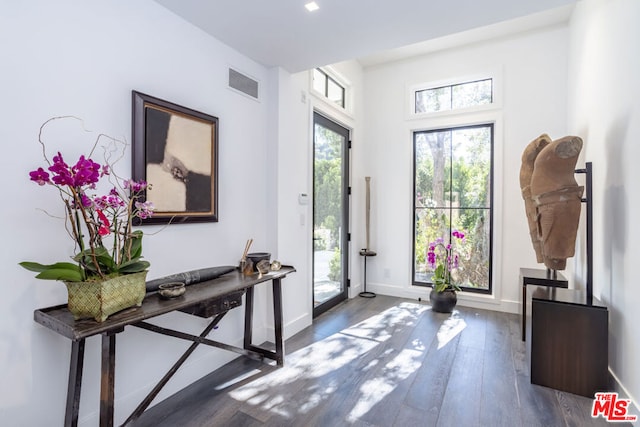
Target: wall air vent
{"type": "Point", "coordinates": [244, 84]}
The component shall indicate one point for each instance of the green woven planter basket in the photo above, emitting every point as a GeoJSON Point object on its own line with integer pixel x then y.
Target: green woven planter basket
{"type": "Point", "coordinates": [99, 300]}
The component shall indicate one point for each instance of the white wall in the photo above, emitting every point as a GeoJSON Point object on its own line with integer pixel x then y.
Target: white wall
{"type": "Point", "coordinates": [294, 235]}
{"type": "Point", "coordinates": [295, 104]}
{"type": "Point", "coordinates": [84, 58]}
{"type": "Point", "coordinates": [530, 74]}
{"type": "Point", "coordinates": [604, 109]}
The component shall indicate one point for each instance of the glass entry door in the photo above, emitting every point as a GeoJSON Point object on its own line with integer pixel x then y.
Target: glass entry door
{"type": "Point", "coordinates": [330, 213]}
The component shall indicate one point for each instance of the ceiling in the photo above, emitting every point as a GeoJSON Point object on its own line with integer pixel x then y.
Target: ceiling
{"type": "Point", "coordinates": [283, 33]}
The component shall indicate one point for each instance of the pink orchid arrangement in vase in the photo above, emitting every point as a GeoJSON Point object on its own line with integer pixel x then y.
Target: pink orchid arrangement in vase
{"type": "Point", "coordinates": [443, 259]}
{"type": "Point", "coordinates": [100, 225]}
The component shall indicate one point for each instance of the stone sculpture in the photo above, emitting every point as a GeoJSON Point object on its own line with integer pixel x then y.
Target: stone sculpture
{"type": "Point", "coordinates": [526, 170]}
{"type": "Point", "coordinates": [552, 198]}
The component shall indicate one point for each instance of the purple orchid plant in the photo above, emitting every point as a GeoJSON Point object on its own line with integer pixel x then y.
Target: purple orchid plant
{"type": "Point", "coordinates": [100, 225]}
{"type": "Point", "coordinates": [443, 260]}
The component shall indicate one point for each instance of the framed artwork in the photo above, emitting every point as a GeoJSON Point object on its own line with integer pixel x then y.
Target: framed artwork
{"type": "Point", "coordinates": [175, 149]}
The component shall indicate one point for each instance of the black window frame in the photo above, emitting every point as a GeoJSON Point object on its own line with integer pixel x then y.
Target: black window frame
{"type": "Point", "coordinates": [451, 86]}
{"type": "Point", "coordinates": [491, 207]}
{"type": "Point", "coordinates": [325, 93]}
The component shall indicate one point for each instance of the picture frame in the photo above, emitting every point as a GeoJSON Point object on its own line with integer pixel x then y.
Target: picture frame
{"type": "Point", "coordinates": [175, 150]}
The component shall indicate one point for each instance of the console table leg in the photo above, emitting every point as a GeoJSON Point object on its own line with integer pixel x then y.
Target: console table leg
{"type": "Point", "coordinates": [107, 380]}
{"type": "Point", "coordinates": [75, 383]}
{"type": "Point", "coordinates": [277, 319]}
{"type": "Point", "coordinates": [248, 319]}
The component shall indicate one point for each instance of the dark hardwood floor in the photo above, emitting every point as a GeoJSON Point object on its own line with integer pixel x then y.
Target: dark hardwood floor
{"type": "Point", "coordinates": [382, 362]}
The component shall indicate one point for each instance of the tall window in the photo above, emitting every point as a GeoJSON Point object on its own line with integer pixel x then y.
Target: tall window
{"type": "Point", "coordinates": [453, 191]}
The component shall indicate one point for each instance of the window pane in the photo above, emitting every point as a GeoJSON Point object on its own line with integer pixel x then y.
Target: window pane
{"type": "Point", "coordinates": [473, 271]}
{"type": "Point", "coordinates": [432, 169]}
{"type": "Point", "coordinates": [472, 93]}
{"type": "Point", "coordinates": [335, 92]}
{"type": "Point", "coordinates": [430, 225]}
{"type": "Point", "coordinates": [453, 97]}
{"type": "Point", "coordinates": [432, 100]}
{"type": "Point", "coordinates": [319, 81]}
{"type": "Point", "coordinates": [471, 184]}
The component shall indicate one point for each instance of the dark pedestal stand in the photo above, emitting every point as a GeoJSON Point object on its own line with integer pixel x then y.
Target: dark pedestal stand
{"type": "Point", "coordinates": [538, 277]}
{"type": "Point", "coordinates": [567, 341]}
{"type": "Point", "coordinates": [366, 253]}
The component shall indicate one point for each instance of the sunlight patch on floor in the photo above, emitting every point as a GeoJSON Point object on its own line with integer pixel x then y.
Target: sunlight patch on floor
{"type": "Point", "coordinates": [418, 344]}
{"type": "Point", "coordinates": [317, 396]}
{"type": "Point", "coordinates": [328, 362]}
{"type": "Point", "coordinates": [380, 327]}
{"type": "Point", "coordinates": [237, 379]}
{"type": "Point", "coordinates": [450, 328]}
{"type": "Point", "coordinates": [376, 389]}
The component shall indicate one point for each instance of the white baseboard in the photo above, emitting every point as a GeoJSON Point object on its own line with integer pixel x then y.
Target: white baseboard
{"type": "Point", "coordinates": [465, 299]}
{"type": "Point", "coordinates": [292, 327]}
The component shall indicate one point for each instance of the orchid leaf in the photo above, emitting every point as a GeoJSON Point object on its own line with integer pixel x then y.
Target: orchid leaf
{"type": "Point", "coordinates": [134, 266]}
{"type": "Point", "coordinates": [61, 274]}
{"type": "Point", "coordinates": [136, 246]}
{"type": "Point", "coordinates": [102, 256]}
{"type": "Point", "coordinates": [37, 267]}
{"type": "Point", "coordinates": [57, 271]}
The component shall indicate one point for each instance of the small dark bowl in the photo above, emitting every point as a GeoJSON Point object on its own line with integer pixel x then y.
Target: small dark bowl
{"type": "Point", "coordinates": [255, 257]}
{"type": "Point", "coordinates": [171, 290]}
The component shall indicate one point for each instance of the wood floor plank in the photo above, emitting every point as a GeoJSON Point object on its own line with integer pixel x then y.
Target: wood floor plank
{"type": "Point", "coordinates": [474, 333]}
{"type": "Point", "coordinates": [382, 362]}
{"type": "Point", "coordinates": [240, 419]}
{"type": "Point", "coordinates": [538, 405]}
{"type": "Point", "coordinates": [499, 402]}
{"type": "Point", "coordinates": [409, 416]}
{"type": "Point", "coordinates": [429, 386]}
{"type": "Point", "coordinates": [461, 402]}
{"type": "Point", "coordinates": [465, 380]}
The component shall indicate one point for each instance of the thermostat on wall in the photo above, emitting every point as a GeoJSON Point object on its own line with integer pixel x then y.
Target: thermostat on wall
{"type": "Point", "coordinates": [303, 198]}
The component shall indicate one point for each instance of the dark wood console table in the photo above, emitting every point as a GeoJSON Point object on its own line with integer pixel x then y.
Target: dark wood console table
{"type": "Point", "coordinates": [208, 299]}
{"type": "Point", "coordinates": [537, 277]}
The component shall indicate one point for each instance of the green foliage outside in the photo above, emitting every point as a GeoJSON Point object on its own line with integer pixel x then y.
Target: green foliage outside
{"type": "Point", "coordinates": [335, 268]}
{"type": "Point", "coordinates": [319, 242]}
{"type": "Point", "coordinates": [328, 184]}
